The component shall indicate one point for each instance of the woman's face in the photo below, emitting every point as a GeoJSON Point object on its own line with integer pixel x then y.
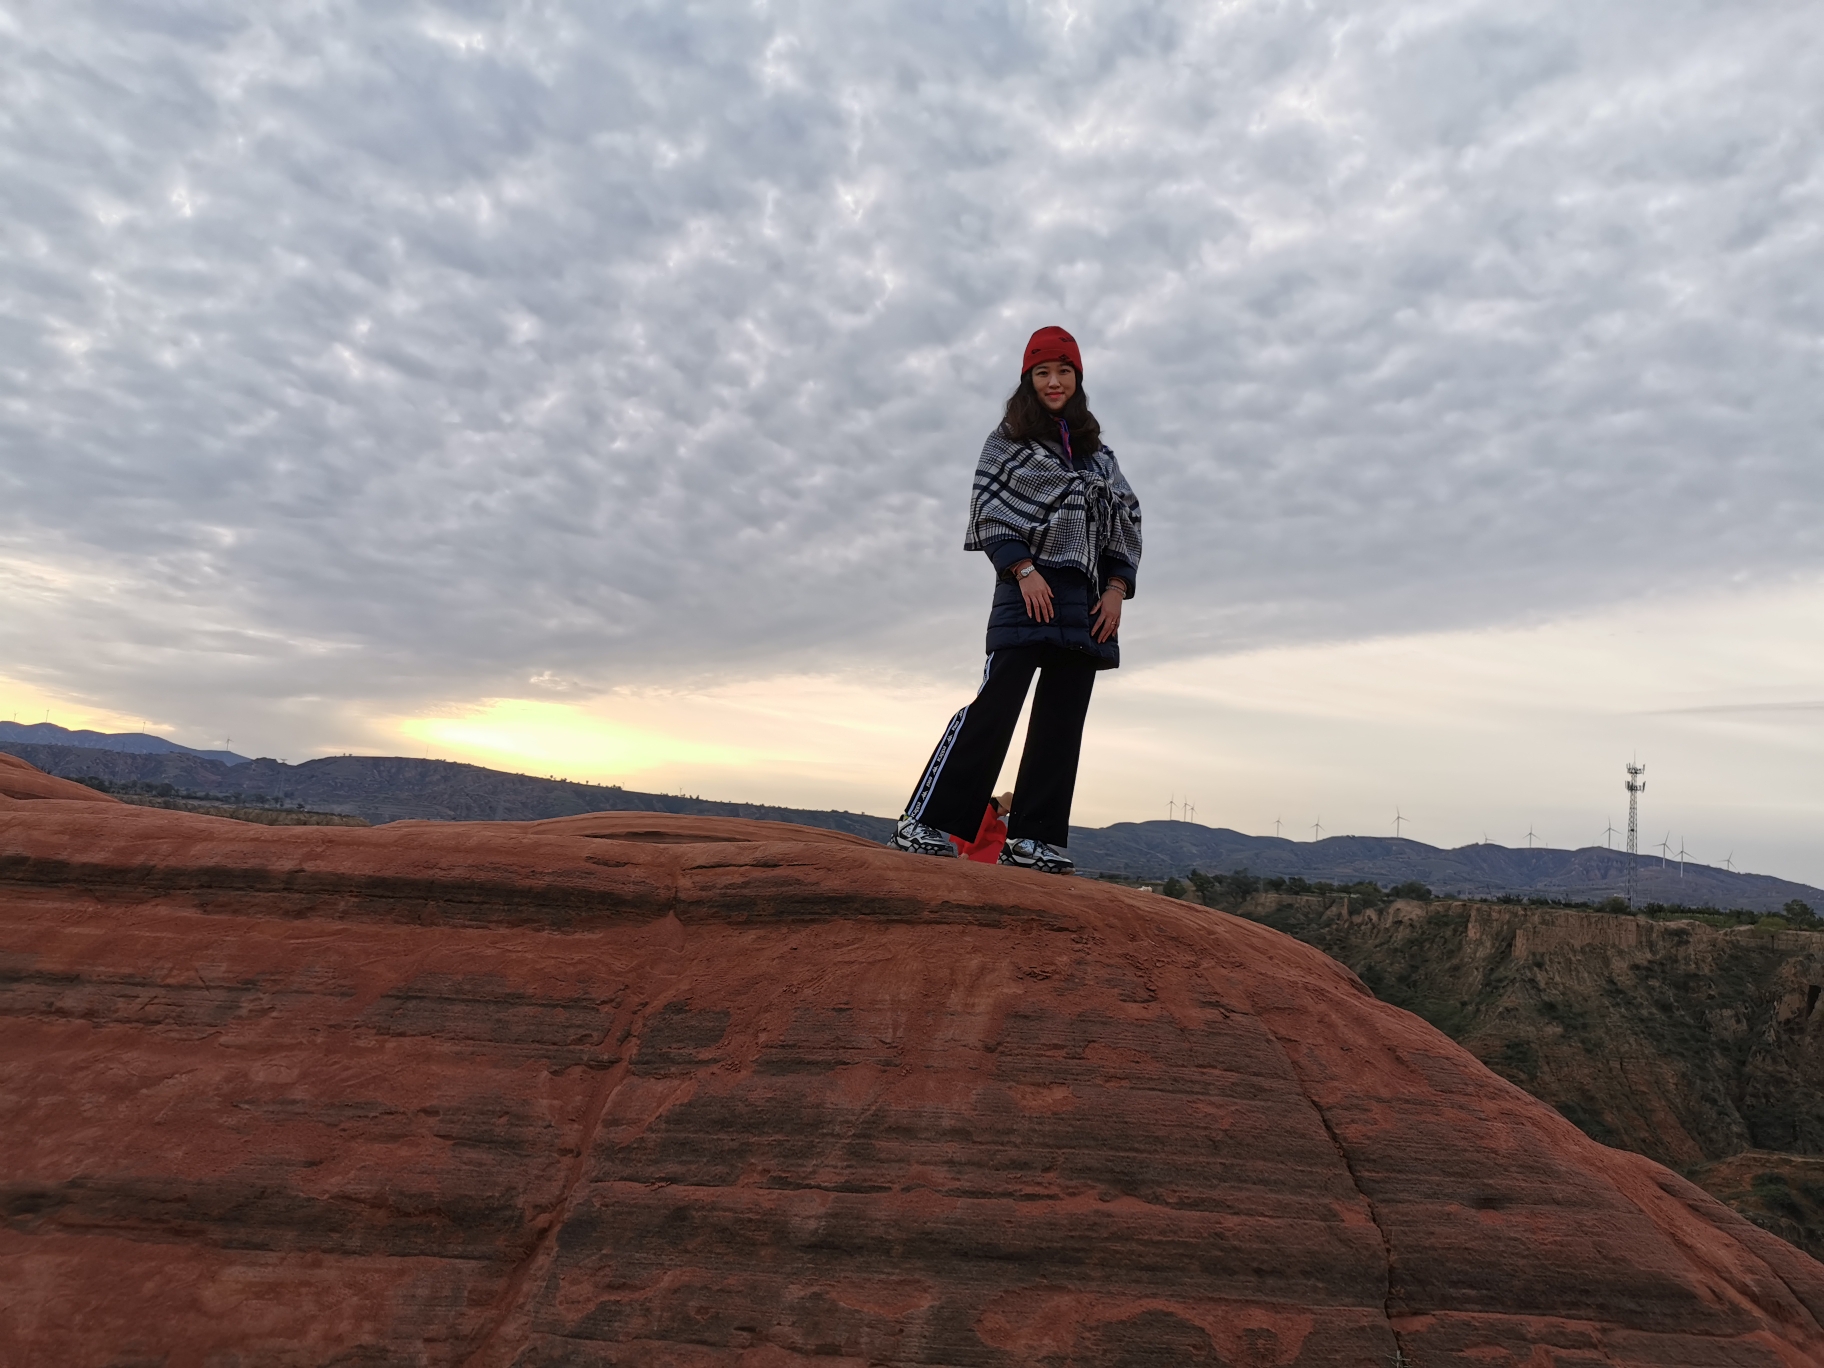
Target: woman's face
{"type": "Point", "coordinates": [1054, 382]}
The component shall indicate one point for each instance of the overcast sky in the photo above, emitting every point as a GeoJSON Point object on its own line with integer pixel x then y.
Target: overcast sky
{"type": "Point", "coordinates": [364, 370]}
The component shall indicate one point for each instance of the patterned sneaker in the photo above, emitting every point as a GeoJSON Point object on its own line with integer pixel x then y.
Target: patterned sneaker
{"type": "Point", "coordinates": [918, 839]}
{"type": "Point", "coordinates": [1027, 853]}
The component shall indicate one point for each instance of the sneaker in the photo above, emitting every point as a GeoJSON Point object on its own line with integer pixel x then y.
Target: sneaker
{"type": "Point", "coordinates": [1027, 853]}
{"type": "Point", "coordinates": [918, 839]}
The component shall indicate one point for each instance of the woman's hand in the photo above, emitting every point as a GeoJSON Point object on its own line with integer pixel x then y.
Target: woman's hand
{"type": "Point", "coordinates": [1035, 591]}
{"type": "Point", "coordinates": [1108, 612]}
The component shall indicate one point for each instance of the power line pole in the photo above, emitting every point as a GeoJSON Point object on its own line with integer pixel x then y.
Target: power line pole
{"type": "Point", "coordinates": [1636, 787]}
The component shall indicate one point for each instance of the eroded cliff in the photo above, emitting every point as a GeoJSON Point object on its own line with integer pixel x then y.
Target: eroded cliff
{"type": "Point", "coordinates": [1677, 1040]}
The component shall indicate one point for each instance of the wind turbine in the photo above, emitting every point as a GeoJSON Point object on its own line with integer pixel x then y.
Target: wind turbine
{"type": "Point", "coordinates": [1317, 830]}
{"type": "Point", "coordinates": [1171, 808]}
{"type": "Point", "coordinates": [1729, 862]}
{"type": "Point", "coordinates": [1531, 836]}
{"type": "Point", "coordinates": [1608, 837]}
{"type": "Point", "coordinates": [1682, 852]}
{"type": "Point", "coordinates": [1662, 848]}
{"type": "Point", "coordinates": [1276, 828]}
{"type": "Point", "coordinates": [1398, 821]}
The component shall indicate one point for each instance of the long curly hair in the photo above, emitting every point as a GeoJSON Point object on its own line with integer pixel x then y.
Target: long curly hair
{"type": "Point", "coordinates": [1027, 419]}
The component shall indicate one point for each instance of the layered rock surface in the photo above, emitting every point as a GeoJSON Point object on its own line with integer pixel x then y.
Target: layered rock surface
{"type": "Point", "coordinates": [646, 1089]}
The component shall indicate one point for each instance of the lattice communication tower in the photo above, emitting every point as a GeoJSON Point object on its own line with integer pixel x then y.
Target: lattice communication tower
{"type": "Point", "coordinates": [1636, 787]}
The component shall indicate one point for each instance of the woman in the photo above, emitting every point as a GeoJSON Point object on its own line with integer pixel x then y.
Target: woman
{"type": "Point", "coordinates": [1058, 521]}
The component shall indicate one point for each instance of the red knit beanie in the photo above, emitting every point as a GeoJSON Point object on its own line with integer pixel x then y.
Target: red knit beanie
{"type": "Point", "coordinates": [1052, 344]}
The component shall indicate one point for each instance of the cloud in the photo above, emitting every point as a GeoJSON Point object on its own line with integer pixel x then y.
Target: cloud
{"type": "Point", "coordinates": [366, 359]}
{"type": "Point", "coordinates": [1805, 706]}
{"type": "Point", "coordinates": [1495, 731]}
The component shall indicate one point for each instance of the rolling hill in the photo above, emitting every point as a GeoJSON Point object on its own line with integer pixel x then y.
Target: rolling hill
{"type": "Point", "coordinates": [133, 743]}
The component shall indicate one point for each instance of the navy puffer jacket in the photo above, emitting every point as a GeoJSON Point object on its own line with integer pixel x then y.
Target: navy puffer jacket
{"type": "Point", "coordinates": [1072, 597]}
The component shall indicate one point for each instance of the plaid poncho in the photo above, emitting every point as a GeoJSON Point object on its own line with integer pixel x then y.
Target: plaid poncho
{"type": "Point", "coordinates": [1066, 517]}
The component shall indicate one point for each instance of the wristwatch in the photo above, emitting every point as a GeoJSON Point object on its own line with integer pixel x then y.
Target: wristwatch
{"type": "Point", "coordinates": [1025, 570]}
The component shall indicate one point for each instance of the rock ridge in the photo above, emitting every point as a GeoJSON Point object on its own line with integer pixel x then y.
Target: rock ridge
{"type": "Point", "coordinates": [738, 1093]}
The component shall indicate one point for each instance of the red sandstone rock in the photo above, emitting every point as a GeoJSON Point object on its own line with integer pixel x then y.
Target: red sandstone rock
{"type": "Point", "coordinates": [642, 1089]}
{"type": "Point", "coordinates": [20, 782]}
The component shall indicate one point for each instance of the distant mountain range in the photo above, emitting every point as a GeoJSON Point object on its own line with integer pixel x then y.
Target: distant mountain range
{"type": "Point", "coordinates": [391, 788]}
{"type": "Point", "coordinates": [133, 743]}
{"type": "Point", "coordinates": [1479, 871]}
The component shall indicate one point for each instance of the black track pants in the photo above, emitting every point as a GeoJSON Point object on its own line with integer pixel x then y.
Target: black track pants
{"type": "Point", "coordinates": [959, 778]}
